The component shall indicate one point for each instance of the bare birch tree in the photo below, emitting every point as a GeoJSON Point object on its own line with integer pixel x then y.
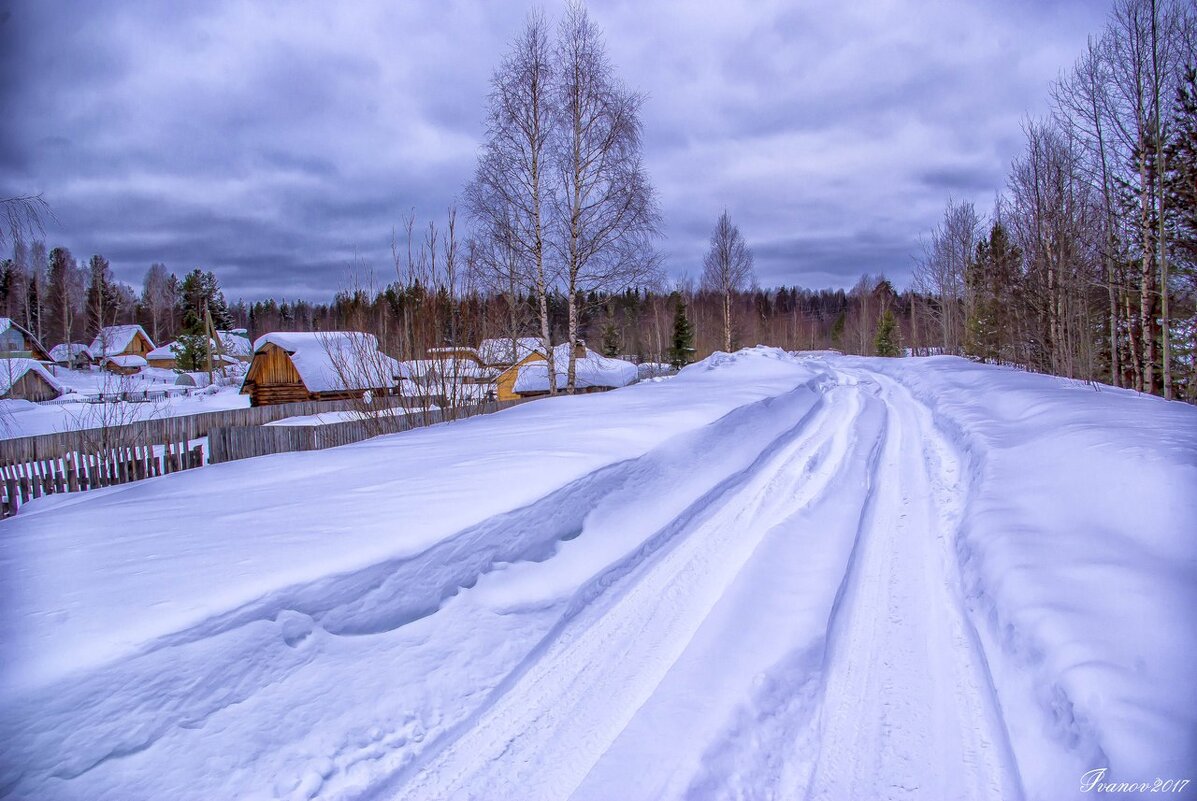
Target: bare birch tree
{"type": "Point", "coordinates": [727, 269]}
{"type": "Point", "coordinates": [605, 209]}
{"type": "Point", "coordinates": [509, 195]}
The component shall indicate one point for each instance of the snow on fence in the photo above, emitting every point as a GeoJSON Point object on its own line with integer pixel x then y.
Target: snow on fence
{"type": "Point", "coordinates": [245, 442]}
{"type": "Point", "coordinates": [75, 461]}
{"type": "Point", "coordinates": [78, 471]}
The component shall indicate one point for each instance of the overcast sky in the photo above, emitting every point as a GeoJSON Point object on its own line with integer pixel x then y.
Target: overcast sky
{"type": "Point", "coordinates": [270, 141]}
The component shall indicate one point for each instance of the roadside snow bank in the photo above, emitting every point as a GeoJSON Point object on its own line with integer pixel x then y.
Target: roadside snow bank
{"type": "Point", "coordinates": [99, 578]}
{"type": "Point", "coordinates": [1079, 556]}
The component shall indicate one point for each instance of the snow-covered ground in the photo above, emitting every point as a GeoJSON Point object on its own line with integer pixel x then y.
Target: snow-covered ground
{"type": "Point", "coordinates": [165, 399]}
{"type": "Point", "coordinates": [772, 576]}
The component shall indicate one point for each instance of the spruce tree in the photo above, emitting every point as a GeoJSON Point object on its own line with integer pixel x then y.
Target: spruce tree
{"type": "Point", "coordinates": [611, 339]}
{"type": "Point", "coordinates": [198, 291]}
{"type": "Point", "coordinates": [886, 341]}
{"type": "Point", "coordinates": [681, 351]}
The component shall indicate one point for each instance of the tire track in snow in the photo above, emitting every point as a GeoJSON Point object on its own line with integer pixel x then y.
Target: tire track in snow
{"type": "Point", "coordinates": [544, 733]}
{"type": "Point", "coordinates": [908, 710]}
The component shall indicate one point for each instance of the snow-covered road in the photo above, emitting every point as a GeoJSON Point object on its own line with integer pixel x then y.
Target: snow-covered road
{"type": "Point", "coordinates": [771, 577]}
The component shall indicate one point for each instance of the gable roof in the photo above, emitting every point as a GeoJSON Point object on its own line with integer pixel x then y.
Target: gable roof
{"type": "Point", "coordinates": [166, 351]}
{"type": "Point", "coordinates": [236, 342]}
{"type": "Point", "coordinates": [317, 356]}
{"type": "Point", "coordinates": [591, 370]}
{"type": "Point", "coordinates": [68, 351]}
{"type": "Point", "coordinates": [126, 360]}
{"type": "Point", "coordinates": [7, 323]}
{"type": "Point", "coordinates": [11, 371]}
{"type": "Point", "coordinates": [113, 339]}
{"type": "Point", "coordinates": [498, 351]}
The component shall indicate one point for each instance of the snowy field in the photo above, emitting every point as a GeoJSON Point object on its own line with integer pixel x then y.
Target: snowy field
{"type": "Point", "coordinates": [20, 418]}
{"type": "Point", "coordinates": [773, 576]}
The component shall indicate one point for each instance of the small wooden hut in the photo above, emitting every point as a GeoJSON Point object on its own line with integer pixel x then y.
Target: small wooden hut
{"type": "Point", "coordinates": [124, 364]}
{"type": "Point", "coordinates": [26, 379]}
{"type": "Point", "coordinates": [18, 343]}
{"type": "Point", "coordinates": [72, 354]}
{"type": "Point", "coordinates": [121, 340]}
{"type": "Point", "coordinates": [325, 365]}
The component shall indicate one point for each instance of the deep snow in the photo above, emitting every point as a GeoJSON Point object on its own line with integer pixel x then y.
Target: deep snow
{"type": "Point", "coordinates": [772, 576]}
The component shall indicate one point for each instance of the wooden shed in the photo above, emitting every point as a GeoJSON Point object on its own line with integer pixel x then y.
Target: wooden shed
{"type": "Point", "coordinates": [71, 354]}
{"type": "Point", "coordinates": [505, 383]}
{"type": "Point", "coordinates": [124, 364]}
{"type": "Point", "coordinates": [26, 379]}
{"type": "Point", "coordinates": [121, 340]}
{"type": "Point", "coordinates": [327, 365]}
{"type": "Point", "coordinates": [18, 343]}
{"type": "Point", "coordinates": [163, 357]}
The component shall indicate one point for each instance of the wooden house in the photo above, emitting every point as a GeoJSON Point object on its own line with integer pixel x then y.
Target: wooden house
{"type": "Point", "coordinates": [121, 340]}
{"type": "Point", "coordinates": [325, 365]}
{"type": "Point", "coordinates": [26, 379]}
{"type": "Point", "coordinates": [18, 343]}
{"type": "Point", "coordinates": [124, 364]}
{"type": "Point", "coordinates": [593, 373]}
{"type": "Point", "coordinates": [71, 354]}
{"type": "Point", "coordinates": [505, 382]}
{"type": "Point", "coordinates": [163, 357]}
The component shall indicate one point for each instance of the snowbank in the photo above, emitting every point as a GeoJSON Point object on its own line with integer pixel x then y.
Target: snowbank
{"type": "Point", "coordinates": [1080, 564]}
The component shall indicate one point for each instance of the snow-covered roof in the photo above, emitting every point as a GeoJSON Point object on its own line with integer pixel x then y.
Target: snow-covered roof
{"type": "Point", "coordinates": [498, 351]}
{"type": "Point", "coordinates": [317, 356]}
{"type": "Point", "coordinates": [7, 323]}
{"type": "Point", "coordinates": [126, 360]}
{"type": "Point", "coordinates": [235, 342]}
{"type": "Point", "coordinates": [11, 371]}
{"type": "Point", "coordinates": [591, 370]}
{"type": "Point", "coordinates": [68, 351]}
{"type": "Point", "coordinates": [113, 339]}
{"type": "Point", "coordinates": [166, 351]}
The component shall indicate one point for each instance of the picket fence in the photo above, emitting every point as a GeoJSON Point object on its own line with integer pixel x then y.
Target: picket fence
{"type": "Point", "coordinates": [75, 461]}
{"type": "Point", "coordinates": [246, 442]}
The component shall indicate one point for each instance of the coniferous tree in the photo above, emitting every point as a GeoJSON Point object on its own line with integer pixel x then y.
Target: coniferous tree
{"type": "Point", "coordinates": [611, 340]}
{"type": "Point", "coordinates": [886, 342]}
{"type": "Point", "coordinates": [992, 278]}
{"type": "Point", "coordinates": [681, 349]}
{"type": "Point", "coordinates": [199, 292]}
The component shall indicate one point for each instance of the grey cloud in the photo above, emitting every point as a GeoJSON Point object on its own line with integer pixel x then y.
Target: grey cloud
{"type": "Point", "coordinates": [276, 143]}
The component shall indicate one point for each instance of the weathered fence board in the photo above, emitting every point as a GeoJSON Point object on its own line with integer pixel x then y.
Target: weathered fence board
{"type": "Point", "coordinates": [77, 461]}
{"type": "Point", "coordinates": [231, 443]}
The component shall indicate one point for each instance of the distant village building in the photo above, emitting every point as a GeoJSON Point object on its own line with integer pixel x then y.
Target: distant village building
{"type": "Point", "coordinates": [236, 343]}
{"type": "Point", "coordinates": [27, 379]}
{"type": "Point", "coordinates": [18, 343]}
{"type": "Point", "coordinates": [529, 377]}
{"type": "Point", "coordinates": [163, 357]}
{"type": "Point", "coordinates": [121, 340]}
{"type": "Point", "coordinates": [73, 354]}
{"type": "Point", "coordinates": [124, 364]}
{"type": "Point", "coordinates": [294, 366]}
{"type": "Point", "coordinates": [505, 352]}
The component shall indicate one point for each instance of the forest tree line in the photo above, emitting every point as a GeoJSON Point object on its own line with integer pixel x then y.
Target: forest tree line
{"type": "Point", "coordinates": [1086, 266]}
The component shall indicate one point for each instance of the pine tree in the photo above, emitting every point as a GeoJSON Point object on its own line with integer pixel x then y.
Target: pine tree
{"type": "Point", "coordinates": [681, 352]}
{"type": "Point", "coordinates": [885, 343]}
{"type": "Point", "coordinates": [199, 291]}
{"type": "Point", "coordinates": [611, 340]}
{"type": "Point", "coordinates": [992, 278]}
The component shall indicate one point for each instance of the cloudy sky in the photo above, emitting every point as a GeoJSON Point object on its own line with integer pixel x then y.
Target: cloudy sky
{"type": "Point", "coordinates": [272, 141]}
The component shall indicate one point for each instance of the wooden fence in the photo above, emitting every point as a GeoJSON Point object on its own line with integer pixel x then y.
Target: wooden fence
{"type": "Point", "coordinates": [78, 471]}
{"type": "Point", "coordinates": [246, 442]}
{"type": "Point", "coordinates": [168, 429]}
{"type": "Point", "coordinates": [75, 461]}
